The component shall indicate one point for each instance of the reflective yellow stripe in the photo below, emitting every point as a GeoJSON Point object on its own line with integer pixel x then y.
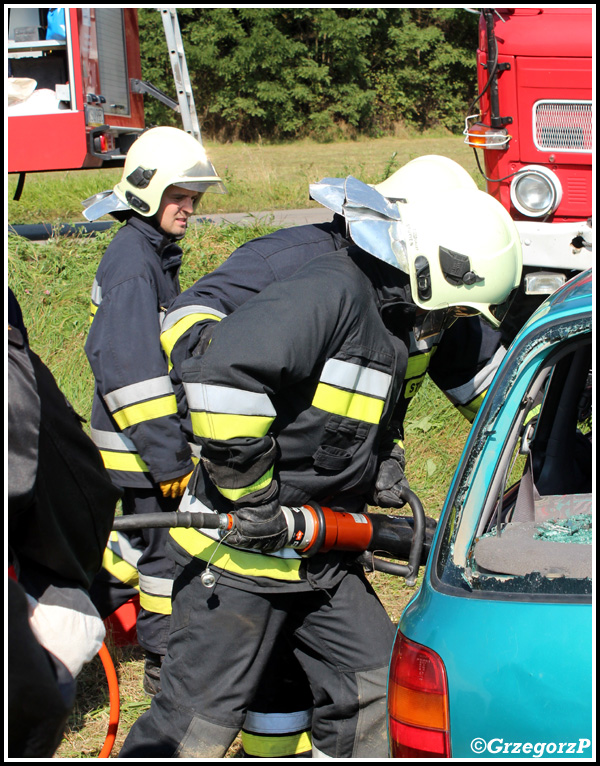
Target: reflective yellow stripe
{"type": "Point", "coordinates": [470, 409]}
{"type": "Point", "coordinates": [120, 569]}
{"type": "Point", "coordinates": [533, 414]}
{"type": "Point", "coordinates": [156, 604]}
{"type": "Point", "coordinates": [236, 494]}
{"type": "Point", "coordinates": [93, 309]}
{"type": "Point", "coordinates": [348, 404]}
{"type": "Point", "coordinates": [276, 747]}
{"type": "Point", "coordinates": [150, 410]}
{"type": "Point", "coordinates": [416, 369]}
{"type": "Point", "coordinates": [123, 461]}
{"type": "Point", "coordinates": [236, 561]}
{"type": "Point", "coordinates": [220, 426]}
{"type": "Point", "coordinates": [169, 338]}
{"type": "Point", "coordinates": [418, 364]}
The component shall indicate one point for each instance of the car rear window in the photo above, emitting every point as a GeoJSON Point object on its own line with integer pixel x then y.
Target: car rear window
{"type": "Point", "coordinates": [531, 534]}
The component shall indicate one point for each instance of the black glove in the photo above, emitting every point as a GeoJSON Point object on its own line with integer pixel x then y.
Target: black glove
{"type": "Point", "coordinates": [263, 527]}
{"type": "Point", "coordinates": [391, 480]}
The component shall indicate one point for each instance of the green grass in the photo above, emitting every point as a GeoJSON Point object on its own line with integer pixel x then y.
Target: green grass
{"type": "Point", "coordinates": [52, 281]}
{"type": "Point", "coordinates": [257, 176]}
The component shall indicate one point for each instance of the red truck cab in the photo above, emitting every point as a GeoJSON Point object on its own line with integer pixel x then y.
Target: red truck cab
{"type": "Point", "coordinates": [534, 126]}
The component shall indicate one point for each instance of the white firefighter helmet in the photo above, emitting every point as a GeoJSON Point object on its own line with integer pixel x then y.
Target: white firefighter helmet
{"type": "Point", "coordinates": [159, 158]}
{"type": "Point", "coordinates": [423, 176]}
{"type": "Point", "coordinates": [418, 179]}
{"type": "Point", "coordinates": [462, 251]}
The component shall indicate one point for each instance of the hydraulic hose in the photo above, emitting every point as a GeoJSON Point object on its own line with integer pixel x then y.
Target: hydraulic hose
{"type": "Point", "coordinates": [42, 231]}
{"type": "Point", "coordinates": [169, 520]}
{"type": "Point", "coordinates": [113, 696]}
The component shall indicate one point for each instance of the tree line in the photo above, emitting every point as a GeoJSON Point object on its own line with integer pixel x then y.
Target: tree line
{"type": "Point", "coordinates": [286, 73]}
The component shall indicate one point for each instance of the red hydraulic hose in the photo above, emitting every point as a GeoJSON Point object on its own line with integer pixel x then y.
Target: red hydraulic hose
{"type": "Point", "coordinates": [113, 694]}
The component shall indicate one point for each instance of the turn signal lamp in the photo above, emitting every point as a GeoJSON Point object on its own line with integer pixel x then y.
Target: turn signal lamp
{"type": "Point", "coordinates": [418, 719]}
{"type": "Point", "coordinates": [482, 136]}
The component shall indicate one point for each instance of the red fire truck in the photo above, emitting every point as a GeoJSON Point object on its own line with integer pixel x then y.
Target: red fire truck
{"type": "Point", "coordinates": [532, 120]}
{"type": "Point", "coordinates": [75, 88]}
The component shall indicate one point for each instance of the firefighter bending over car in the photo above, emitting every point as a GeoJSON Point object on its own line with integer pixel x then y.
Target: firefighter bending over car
{"type": "Point", "coordinates": [461, 360]}
{"type": "Point", "coordinates": [293, 400]}
{"type": "Point", "coordinates": [134, 422]}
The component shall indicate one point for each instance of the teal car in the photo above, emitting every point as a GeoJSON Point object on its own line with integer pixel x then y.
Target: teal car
{"type": "Point", "coordinates": [493, 656]}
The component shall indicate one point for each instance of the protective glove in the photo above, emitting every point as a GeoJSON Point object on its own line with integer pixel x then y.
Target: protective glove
{"type": "Point", "coordinates": [68, 626]}
{"type": "Point", "coordinates": [391, 480]}
{"type": "Point", "coordinates": [175, 487]}
{"type": "Point", "coordinates": [262, 527]}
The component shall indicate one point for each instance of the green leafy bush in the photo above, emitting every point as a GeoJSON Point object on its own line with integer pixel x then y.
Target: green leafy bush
{"type": "Point", "coordinates": [283, 73]}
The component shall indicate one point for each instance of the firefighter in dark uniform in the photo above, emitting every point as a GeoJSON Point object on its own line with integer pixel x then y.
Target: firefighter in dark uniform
{"type": "Point", "coordinates": [134, 422]}
{"type": "Point", "coordinates": [461, 360]}
{"type": "Point", "coordinates": [291, 402]}
{"type": "Point", "coordinates": [59, 511]}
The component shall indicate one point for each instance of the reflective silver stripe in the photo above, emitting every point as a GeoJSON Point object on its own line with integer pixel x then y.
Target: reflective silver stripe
{"type": "Point", "coordinates": [110, 440]}
{"type": "Point", "coordinates": [478, 384]}
{"type": "Point", "coordinates": [156, 586]}
{"type": "Point", "coordinates": [278, 723]}
{"type": "Point", "coordinates": [117, 442]}
{"type": "Point", "coordinates": [139, 392]}
{"type": "Point", "coordinates": [230, 401]}
{"type": "Point", "coordinates": [96, 293]}
{"type": "Point", "coordinates": [353, 377]}
{"type": "Point", "coordinates": [175, 316]}
{"type": "Point", "coordinates": [122, 547]}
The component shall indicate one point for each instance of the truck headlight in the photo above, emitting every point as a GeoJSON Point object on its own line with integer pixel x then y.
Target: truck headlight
{"type": "Point", "coordinates": [535, 191]}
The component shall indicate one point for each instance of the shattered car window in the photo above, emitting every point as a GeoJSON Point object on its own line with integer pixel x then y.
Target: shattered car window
{"type": "Point", "coordinates": [526, 526]}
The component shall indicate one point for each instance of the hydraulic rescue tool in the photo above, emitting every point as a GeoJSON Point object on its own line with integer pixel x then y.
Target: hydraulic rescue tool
{"type": "Point", "coordinates": [313, 528]}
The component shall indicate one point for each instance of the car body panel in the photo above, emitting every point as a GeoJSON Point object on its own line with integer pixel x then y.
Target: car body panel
{"type": "Point", "coordinates": [518, 659]}
{"type": "Point", "coordinates": [490, 680]}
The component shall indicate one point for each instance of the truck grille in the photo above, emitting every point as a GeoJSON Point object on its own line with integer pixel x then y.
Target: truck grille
{"type": "Point", "coordinates": [563, 125]}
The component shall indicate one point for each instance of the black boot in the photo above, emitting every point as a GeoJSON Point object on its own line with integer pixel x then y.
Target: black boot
{"type": "Point", "coordinates": [152, 667]}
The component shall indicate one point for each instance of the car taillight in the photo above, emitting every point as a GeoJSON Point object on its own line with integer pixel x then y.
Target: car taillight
{"type": "Point", "coordinates": [418, 717]}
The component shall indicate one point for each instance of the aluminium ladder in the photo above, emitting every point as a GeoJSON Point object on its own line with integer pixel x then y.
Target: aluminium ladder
{"type": "Point", "coordinates": [181, 75]}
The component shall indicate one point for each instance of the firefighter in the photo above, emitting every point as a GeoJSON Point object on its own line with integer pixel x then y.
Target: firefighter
{"type": "Point", "coordinates": [461, 360]}
{"type": "Point", "coordinates": [60, 509]}
{"type": "Point", "coordinates": [290, 403]}
{"type": "Point", "coordinates": [462, 365]}
{"type": "Point", "coordinates": [134, 421]}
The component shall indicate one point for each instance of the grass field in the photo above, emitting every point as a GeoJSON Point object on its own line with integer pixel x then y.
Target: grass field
{"type": "Point", "coordinates": [257, 176]}
{"type": "Point", "coordinates": [52, 281]}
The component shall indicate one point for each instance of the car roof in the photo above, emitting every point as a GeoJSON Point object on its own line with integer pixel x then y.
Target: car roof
{"type": "Point", "coordinates": [573, 298]}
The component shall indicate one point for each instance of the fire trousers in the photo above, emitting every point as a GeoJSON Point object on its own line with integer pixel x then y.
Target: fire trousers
{"type": "Point", "coordinates": [136, 562]}
{"type": "Point", "coordinates": [220, 644]}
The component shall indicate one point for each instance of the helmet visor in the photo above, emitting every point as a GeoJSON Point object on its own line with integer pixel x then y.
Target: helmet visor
{"type": "Point", "coordinates": [432, 323]}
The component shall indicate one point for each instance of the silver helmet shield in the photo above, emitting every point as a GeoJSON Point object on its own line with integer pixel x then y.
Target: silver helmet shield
{"type": "Point", "coordinates": [374, 222]}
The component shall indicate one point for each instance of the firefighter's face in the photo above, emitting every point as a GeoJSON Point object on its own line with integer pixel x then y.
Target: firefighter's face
{"type": "Point", "coordinates": [176, 206]}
